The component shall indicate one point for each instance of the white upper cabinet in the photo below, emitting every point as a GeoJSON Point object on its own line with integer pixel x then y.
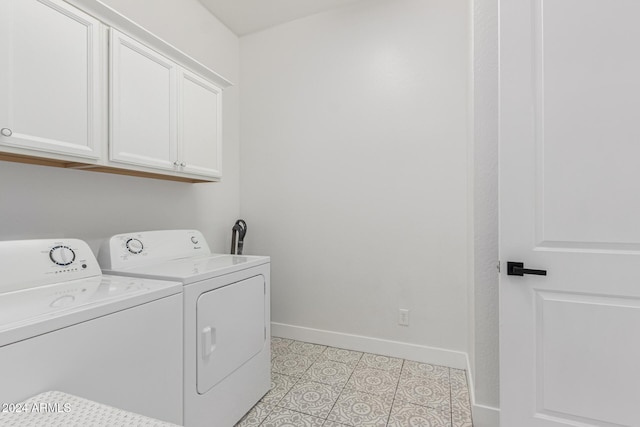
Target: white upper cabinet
{"type": "Point", "coordinates": [50, 79]}
{"type": "Point", "coordinates": [200, 126]}
{"type": "Point", "coordinates": [143, 108]}
{"type": "Point", "coordinates": [162, 115]}
{"type": "Point", "coordinates": [83, 86]}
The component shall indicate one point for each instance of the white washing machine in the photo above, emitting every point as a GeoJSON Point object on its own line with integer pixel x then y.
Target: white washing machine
{"type": "Point", "coordinates": [64, 326]}
{"type": "Point", "coordinates": [227, 352]}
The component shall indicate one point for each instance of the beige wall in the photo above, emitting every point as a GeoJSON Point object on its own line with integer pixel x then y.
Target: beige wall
{"type": "Point", "coordinates": [485, 244]}
{"type": "Point", "coordinates": [354, 168]}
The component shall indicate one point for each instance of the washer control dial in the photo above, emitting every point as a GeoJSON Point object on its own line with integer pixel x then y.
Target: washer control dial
{"type": "Point", "coordinates": [62, 255]}
{"type": "Point", "coordinates": [134, 246]}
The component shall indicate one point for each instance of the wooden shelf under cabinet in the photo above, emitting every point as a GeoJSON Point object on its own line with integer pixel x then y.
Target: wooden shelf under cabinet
{"type": "Point", "coordinates": [65, 164]}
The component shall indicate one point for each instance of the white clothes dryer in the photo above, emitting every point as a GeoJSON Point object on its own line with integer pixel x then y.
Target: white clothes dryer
{"type": "Point", "coordinates": [64, 326]}
{"type": "Point", "coordinates": [227, 352]}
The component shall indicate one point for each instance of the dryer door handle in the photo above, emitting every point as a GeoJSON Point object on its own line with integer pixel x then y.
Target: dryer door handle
{"type": "Point", "coordinates": [208, 341]}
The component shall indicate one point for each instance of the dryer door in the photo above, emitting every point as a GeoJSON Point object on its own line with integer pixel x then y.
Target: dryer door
{"type": "Point", "coordinates": [231, 329]}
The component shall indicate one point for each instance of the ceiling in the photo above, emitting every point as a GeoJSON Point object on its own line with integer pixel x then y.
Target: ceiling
{"type": "Point", "coordinates": [248, 16]}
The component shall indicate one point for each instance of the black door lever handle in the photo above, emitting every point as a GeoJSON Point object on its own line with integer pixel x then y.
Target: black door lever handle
{"type": "Point", "coordinates": [517, 269]}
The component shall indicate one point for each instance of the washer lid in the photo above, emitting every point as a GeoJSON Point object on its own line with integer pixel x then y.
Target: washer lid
{"type": "Point", "coordinates": [34, 311]}
{"type": "Point", "coordinates": [194, 269]}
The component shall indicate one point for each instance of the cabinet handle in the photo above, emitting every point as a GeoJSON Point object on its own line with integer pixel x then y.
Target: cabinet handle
{"type": "Point", "coordinates": [176, 163]}
{"type": "Point", "coordinates": [6, 132]}
{"type": "Point", "coordinates": [183, 164]}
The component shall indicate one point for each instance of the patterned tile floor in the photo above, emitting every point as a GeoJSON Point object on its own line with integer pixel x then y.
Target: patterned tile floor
{"type": "Point", "coordinates": [315, 385]}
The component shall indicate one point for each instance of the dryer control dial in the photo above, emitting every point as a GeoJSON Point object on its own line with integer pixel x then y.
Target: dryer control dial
{"type": "Point", "coordinates": [134, 246]}
{"type": "Point", "coordinates": [62, 255]}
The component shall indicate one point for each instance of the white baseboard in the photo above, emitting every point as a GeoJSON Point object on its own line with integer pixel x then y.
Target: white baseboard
{"type": "Point", "coordinates": [420, 353]}
{"type": "Point", "coordinates": [483, 416]}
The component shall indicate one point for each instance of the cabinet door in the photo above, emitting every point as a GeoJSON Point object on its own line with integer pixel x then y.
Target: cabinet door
{"type": "Point", "coordinates": [200, 126]}
{"type": "Point", "coordinates": [50, 78]}
{"type": "Point", "coordinates": [143, 105]}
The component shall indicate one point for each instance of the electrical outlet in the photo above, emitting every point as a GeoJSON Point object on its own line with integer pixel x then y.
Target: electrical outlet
{"type": "Point", "coordinates": [403, 317]}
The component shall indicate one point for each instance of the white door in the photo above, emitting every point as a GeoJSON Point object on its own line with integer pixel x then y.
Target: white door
{"type": "Point", "coordinates": [143, 105]}
{"type": "Point", "coordinates": [570, 204]}
{"type": "Point", "coordinates": [50, 78]}
{"type": "Point", "coordinates": [200, 126]}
